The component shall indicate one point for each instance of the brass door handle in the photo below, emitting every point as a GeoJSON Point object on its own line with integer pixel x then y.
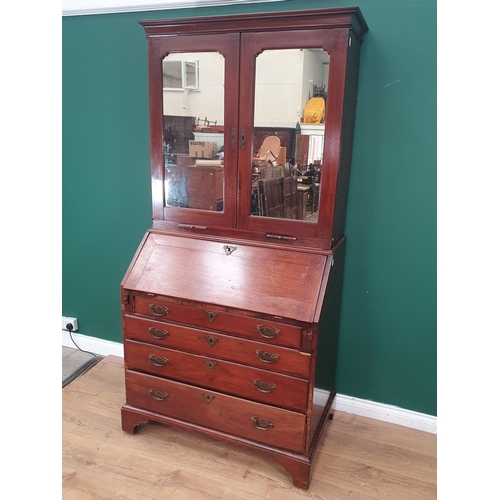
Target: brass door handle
{"type": "Point", "coordinates": [158, 361]}
{"type": "Point", "coordinates": [159, 395]}
{"type": "Point", "coordinates": [267, 357]}
{"type": "Point", "coordinates": [158, 310]}
{"type": "Point", "coordinates": [261, 424]}
{"type": "Point", "coordinates": [267, 332]}
{"type": "Point", "coordinates": [264, 386]}
{"type": "Point", "coordinates": [233, 138]}
{"type": "Point", "coordinates": [158, 334]}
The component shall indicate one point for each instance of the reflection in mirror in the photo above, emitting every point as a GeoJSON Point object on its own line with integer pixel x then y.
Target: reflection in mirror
{"type": "Point", "coordinates": [193, 130]}
{"type": "Point", "coordinates": [290, 101]}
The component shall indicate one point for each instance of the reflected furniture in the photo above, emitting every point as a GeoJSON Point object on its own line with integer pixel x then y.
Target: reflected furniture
{"type": "Point", "coordinates": [231, 303]}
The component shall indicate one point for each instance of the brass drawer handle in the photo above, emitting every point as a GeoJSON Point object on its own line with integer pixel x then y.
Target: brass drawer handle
{"type": "Point", "coordinates": [261, 424]}
{"type": "Point", "coordinates": [158, 310]}
{"type": "Point", "coordinates": [267, 357]}
{"type": "Point", "coordinates": [158, 361]}
{"type": "Point", "coordinates": [158, 334]}
{"type": "Point", "coordinates": [211, 315]}
{"type": "Point", "coordinates": [264, 386]}
{"type": "Point", "coordinates": [211, 341]}
{"type": "Point", "coordinates": [267, 332]}
{"type": "Point", "coordinates": [159, 395]}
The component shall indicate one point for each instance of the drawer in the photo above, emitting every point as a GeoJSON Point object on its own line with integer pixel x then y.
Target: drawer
{"type": "Point", "coordinates": [260, 355]}
{"type": "Point", "coordinates": [258, 422]}
{"type": "Point", "coordinates": [224, 376]}
{"type": "Point", "coordinates": [265, 331]}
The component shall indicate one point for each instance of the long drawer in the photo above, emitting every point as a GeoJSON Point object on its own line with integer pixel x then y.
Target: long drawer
{"type": "Point", "coordinates": [231, 378]}
{"type": "Point", "coordinates": [258, 354]}
{"type": "Point", "coordinates": [266, 331]}
{"type": "Point", "coordinates": [239, 417]}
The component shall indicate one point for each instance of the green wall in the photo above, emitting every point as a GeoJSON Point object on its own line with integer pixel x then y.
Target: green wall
{"type": "Point", "coordinates": [387, 343]}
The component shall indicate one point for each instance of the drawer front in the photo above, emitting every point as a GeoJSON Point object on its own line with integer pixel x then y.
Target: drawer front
{"type": "Point", "coordinates": [265, 331]}
{"type": "Point", "coordinates": [239, 380]}
{"type": "Point", "coordinates": [260, 355]}
{"type": "Point", "coordinates": [258, 422]}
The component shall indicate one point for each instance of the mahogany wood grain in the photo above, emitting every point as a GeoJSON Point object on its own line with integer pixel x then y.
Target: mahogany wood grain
{"type": "Point", "coordinates": [217, 345]}
{"type": "Point", "coordinates": [279, 427]}
{"type": "Point", "coordinates": [279, 283]}
{"type": "Point", "coordinates": [290, 336]}
{"type": "Point", "coordinates": [231, 378]}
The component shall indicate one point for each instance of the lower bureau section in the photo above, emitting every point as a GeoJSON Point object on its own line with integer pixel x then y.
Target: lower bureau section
{"type": "Point", "coordinates": [255, 421]}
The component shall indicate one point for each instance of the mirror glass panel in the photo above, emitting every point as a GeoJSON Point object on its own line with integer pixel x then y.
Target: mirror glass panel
{"type": "Point", "coordinates": [193, 130]}
{"type": "Point", "coordinates": [290, 103]}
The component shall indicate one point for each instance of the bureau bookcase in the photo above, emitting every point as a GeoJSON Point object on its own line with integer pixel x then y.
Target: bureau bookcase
{"type": "Point", "coordinates": [231, 302]}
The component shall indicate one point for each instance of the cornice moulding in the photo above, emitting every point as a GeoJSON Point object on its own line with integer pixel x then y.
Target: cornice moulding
{"type": "Point", "coordinates": [88, 7]}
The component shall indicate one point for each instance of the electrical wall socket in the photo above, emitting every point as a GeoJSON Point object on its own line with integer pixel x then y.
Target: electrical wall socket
{"type": "Point", "coordinates": [69, 321]}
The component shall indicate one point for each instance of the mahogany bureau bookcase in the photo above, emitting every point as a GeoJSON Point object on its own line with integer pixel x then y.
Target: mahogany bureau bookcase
{"type": "Point", "coordinates": [231, 302]}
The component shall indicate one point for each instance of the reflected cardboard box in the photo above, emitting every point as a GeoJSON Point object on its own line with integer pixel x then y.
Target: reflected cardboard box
{"type": "Point", "coordinates": [202, 149]}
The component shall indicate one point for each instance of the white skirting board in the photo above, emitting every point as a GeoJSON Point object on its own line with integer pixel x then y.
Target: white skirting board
{"type": "Point", "coordinates": [362, 407]}
{"type": "Point", "coordinates": [92, 344]}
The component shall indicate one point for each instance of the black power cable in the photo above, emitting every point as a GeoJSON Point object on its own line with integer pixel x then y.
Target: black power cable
{"type": "Point", "coordinates": [69, 327]}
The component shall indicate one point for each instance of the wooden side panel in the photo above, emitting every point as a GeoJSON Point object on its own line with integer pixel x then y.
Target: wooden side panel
{"type": "Point", "coordinates": [348, 118]}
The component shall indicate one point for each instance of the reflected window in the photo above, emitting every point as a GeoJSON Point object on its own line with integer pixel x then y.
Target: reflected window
{"type": "Point", "coordinates": [179, 75]}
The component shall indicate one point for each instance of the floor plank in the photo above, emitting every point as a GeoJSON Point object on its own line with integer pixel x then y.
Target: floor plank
{"type": "Point", "coordinates": [358, 458]}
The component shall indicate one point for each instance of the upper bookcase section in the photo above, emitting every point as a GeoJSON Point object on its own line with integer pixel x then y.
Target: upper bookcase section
{"type": "Point", "coordinates": [252, 121]}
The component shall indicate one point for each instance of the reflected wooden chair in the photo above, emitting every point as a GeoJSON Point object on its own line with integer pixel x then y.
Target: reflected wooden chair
{"type": "Point", "coordinates": [268, 152]}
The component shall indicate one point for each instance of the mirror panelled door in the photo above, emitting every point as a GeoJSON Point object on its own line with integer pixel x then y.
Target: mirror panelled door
{"type": "Point", "coordinates": [258, 167]}
{"type": "Point", "coordinates": [186, 82]}
{"type": "Point", "coordinates": [193, 130]}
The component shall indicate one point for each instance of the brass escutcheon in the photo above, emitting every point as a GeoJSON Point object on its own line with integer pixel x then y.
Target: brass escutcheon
{"type": "Point", "coordinates": [208, 397]}
{"type": "Point", "coordinates": [210, 364]}
{"type": "Point", "coordinates": [158, 310]}
{"type": "Point", "coordinates": [211, 315]}
{"type": "Point", "coordinates": [158, 334]}
{"type": "Point", "coordinates": [229, 249]}
{"type": "Point", "coordinates": [267, 357]}
{"type": "Point", "coordinates": [211, 341]}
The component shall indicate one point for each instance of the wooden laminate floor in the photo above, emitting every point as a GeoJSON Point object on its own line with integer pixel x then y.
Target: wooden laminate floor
{"type": "Point", "coordinates": [357, 458]}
